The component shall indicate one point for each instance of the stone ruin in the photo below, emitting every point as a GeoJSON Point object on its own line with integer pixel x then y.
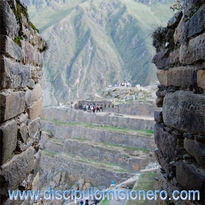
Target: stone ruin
{"type": "Point", "coordinates": [180, 127]}
{"type": "Point", "coordinates": [20, 99]}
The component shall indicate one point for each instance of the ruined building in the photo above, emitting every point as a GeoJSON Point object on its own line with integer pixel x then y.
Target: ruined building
{"type": "Point", "coordinates": [20, 98]}
{"type": "Point", "coordinates": [180, 127]}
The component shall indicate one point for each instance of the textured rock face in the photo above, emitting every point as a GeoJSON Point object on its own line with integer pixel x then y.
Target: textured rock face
{"type": "Point", "coordinates": [19, 91]}
{"type": "Point", "coordinates": [180, 128]}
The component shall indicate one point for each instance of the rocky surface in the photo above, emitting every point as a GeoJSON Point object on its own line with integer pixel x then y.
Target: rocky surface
{"type": "Point", "coordinates": [20, 53]}
{"type": "Point", "coordinates": [179, 129]}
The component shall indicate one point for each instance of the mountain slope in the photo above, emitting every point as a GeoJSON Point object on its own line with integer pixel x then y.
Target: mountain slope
{"type": "Point", "coordinates": [95, 43]}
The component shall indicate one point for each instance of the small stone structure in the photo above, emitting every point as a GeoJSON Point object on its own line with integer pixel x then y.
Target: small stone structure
{"type": "Point", "coordinates": [20, 99]}
{"type": "Point", "coordinates": [180, 127]}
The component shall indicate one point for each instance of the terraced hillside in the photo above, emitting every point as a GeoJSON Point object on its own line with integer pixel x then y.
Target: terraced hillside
{"type": "Point", "coordinates": [85, 146]}
{"type": "Point", "coordinates": [95, 43]}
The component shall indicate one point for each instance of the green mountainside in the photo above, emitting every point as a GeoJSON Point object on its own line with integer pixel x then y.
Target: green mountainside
{"type": "Point", "coordinates": [96, 43]}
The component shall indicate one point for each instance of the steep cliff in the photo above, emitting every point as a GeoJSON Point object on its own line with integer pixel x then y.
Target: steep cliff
{"type": "Point", "coordinates": [93, 44]}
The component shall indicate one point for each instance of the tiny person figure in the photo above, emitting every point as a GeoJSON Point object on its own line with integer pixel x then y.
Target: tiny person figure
{"type": "Point", "coordinates": [87, 202]}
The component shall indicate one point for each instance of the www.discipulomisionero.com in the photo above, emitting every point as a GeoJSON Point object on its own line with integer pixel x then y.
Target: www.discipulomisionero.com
{"type": "Point", "coordinates": [112, 194]}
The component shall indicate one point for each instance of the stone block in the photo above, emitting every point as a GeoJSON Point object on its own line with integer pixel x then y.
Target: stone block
{"type": "Point", "coordinates": [8, 22]}
{"type": "Point", "coordinates": [14, 75]}
{"type": "Point", "coordinates": [8, 138]}
{"type": "Point", "coordinates": [31, 55]}
{"type": "Point", "coordinates": [174, 57]}
{"type": "Point", "coordinates": [185, 111]}
{"type": "Point", "coordinates": [166, 143]}
{"type": "Point", "coordinates": [12, 104]}
{"type": "Point", "coordinates": [179, 76]}
{"type": "Point", "coordinates": [194, 51]}
{"type": "Point", "coordinates": [196, 24]}
{"type": "Point", "coordinates": [35, 110]}
{"type": "Point", "coordinates": [34, 127]}
{"type": "Point", "coordinates": [23, 132]}
{"type": "Point", "coordinates": [179, 33]}
{"type": "Point", "coordinates": [33, 95]}
{"type": "Point", "coordinates": [9, 48]}
{"type": "Point", "coordinates": [161, 59]}
{"type": "Point", "coordinates": [201, 79]}
{"type": "Point", "coordinates": [197, 150]}
{"type": "Point", "coordinates": [190, 177]}
{"type": "Point", "coordinates": [16, 170]}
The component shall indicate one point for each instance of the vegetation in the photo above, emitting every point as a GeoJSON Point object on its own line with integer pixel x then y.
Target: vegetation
{"type": "Point", "coordinates": [148, 133]}
{"type": "Point", "coordinates": [96, 163]}
{"type": "Point", "coordinates": [105, 202]}
{"type": "Point", "coordinates": [33, 27]}
{"type": "Point", "coordinates": [146, 182]}
{"type": "Point", "coordinates": [19, 11]}
{"type": "Point", "coordinates": [49, 153]}
{"type": "Point", "coordinates": [18, 39]}
{"type": "Point", "coordinates": [129, 148]}
{"type": "Point", "coordinates": [117, 145]}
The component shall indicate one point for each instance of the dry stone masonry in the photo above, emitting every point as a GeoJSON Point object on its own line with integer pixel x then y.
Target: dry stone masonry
{"type": "Point", "coordinates": [180, 127]}
{"type": "Point", "coordinates": [20, 98]}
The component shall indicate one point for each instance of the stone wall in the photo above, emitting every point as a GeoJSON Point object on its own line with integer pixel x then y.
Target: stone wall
{"type": "Point", "coordinates": [20, 98]}
{"type": "Point", "coordinates": [114, 119]}
{"type": "Point", "coordinates": [137, 108]}
{"type": "Point", "coordinates": [93, 134]}
{"type": "Point", "coordinates": [180, 127]}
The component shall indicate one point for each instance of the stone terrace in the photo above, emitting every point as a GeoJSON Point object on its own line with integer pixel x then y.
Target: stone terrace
{"type": "Point", "coordinates": [98, 147]}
